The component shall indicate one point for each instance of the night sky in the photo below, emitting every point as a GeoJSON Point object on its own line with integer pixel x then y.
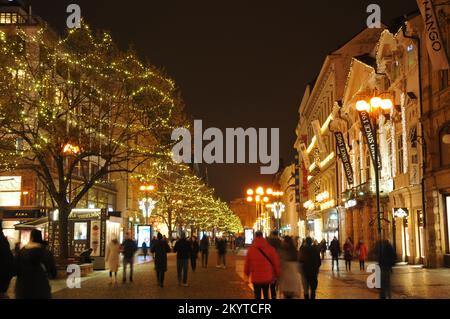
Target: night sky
{"type": "Point", "coordinates": [237, 63]}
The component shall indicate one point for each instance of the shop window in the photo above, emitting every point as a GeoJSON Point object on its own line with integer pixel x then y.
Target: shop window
{"type": "Point", "coordinates": [80, 231]}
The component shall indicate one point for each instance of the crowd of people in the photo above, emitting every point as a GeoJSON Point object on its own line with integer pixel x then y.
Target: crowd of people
{"type": "Point", "coordinates": [278, 266]}
{"type": "Point", "coordinates": [275, 266]}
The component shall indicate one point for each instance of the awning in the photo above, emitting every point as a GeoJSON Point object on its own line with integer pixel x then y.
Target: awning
{"type": "Point", "coordinates": [32, 224]}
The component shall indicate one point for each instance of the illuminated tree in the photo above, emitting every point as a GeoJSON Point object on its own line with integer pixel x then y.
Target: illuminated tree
{"type": "Point", "coordinates": [64, 103]}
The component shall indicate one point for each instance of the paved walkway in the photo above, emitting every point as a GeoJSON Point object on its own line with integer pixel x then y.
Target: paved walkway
{"type": "Point", "coordinates": [209, 283]}
{"type": "Point", "coordinates": [213, 283]}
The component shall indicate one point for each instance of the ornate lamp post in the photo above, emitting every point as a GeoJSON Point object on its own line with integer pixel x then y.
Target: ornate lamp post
{"type": "Point", "coordinates": [278, 209]}
{"type": "Point", "coordinates": [369, 110]}
{"type": "Point", "coordinates": [259, 196]}
{"type": "Point", "coordinates": [149, 203]}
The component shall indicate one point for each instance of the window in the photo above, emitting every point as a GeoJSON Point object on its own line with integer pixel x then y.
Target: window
{"type": "Point", "coordinates": [367, 177]}
{"type": "Point", "coordinates": [400, 155]}
{"type": "Point", "coordinates": [10, 190]}
{"type": "Point", "coordinates": [411, 55]}
{"type": "Point", "coordinates": [11, 18]}
{"type": "Point", "coordinates": [445, 145]}
{"type": "Point", "coordinates": [80, 231]}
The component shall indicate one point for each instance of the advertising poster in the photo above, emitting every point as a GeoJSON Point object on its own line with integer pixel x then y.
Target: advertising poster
{"type": "Point", "coordinates": [249, 233]}
{"type": "Point", "coordinates": [144, 235]}
{"type": "Point", "coordinates": [95, 237]}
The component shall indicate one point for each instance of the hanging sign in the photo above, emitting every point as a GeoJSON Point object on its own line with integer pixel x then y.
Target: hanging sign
{"type": "Point", "coordinates": [370, 136]}
{"type": "Point", "coordinates": [343, 154]}
{"type": "Point", "coordinates": [433, 38]}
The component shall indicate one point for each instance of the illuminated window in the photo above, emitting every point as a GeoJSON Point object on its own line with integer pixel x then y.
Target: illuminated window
{"type": "Point", "coordinates": [11, 18]}
{"type": "Point", "coordinates": [10, 190]}
{"type": "Point", "coordinates": [400, 155]}
{"type": "Point", "coordinates": [80, 231]}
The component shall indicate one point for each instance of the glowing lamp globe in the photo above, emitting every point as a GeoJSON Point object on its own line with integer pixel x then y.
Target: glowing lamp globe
{"type": "Point", "coordinates": [387, 104]}
{"type": "Point", "coordinates": [376, 102]}
{"type": "Point", "coordinates": [362, 106]}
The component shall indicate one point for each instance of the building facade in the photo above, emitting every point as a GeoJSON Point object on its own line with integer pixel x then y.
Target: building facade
{"type": "Point", "coordinates": [316, 142]}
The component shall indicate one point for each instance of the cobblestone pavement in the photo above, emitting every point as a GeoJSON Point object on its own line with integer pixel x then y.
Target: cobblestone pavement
{"type": "Point", "coordinates": [408, 282]}
{"type": "Point", "coordinates": [213, 283]}
{"type": "Point", "coordinates": [209, 283]}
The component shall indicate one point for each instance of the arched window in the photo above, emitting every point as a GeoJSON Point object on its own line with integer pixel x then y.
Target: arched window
{"type": "Point", "coordinates": [444, 139]}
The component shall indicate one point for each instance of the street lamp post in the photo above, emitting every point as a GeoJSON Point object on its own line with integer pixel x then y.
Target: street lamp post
{"type": "Point", "coordinates": [148, 202]}
{"type": "Point", "coordinates": [259, 196]}
{"type": "Point", "coordinates": [374, 108]}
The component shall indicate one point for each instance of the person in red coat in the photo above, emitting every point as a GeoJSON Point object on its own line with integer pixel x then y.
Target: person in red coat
{"type": "Point", "coordinates": [262, 264]}
{"type": "Point", "coordinates": [362, 254]}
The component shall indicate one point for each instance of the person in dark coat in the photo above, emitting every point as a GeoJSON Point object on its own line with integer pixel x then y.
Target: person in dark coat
{"type": "Point", "coordinates": [221, 245]}
{"type": "Point", "coordinates": [183, 249]}
{"type": "Point", "coordinates": [310, 263]}
{"type": "Point", "coordinates": [144, 250]}
{"type": "Point", "coordinates": [160, 248]}
{"type": "Point", "coordinates": [6, 264]}
{"type": "Point", "coordinates": [386, 262]}
{"type": "Point", "coordinates": [33, 266]}
{"type": "Point", "coordinates": [194, 252]}
{"type": "Point", "coordinates": [204, 248]}
{"type": "Point", "coordinates": [129, 248]}
{"type": "Point", "coordinates": [335, 250]}
{"type": "Point", "coordinates": [275, 241]}
{"type": "Point", "coordinates": [323, 248]}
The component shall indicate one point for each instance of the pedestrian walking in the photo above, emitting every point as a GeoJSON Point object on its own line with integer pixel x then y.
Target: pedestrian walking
{"type": "Point", "coordinates": [361, 251]}
{"type": "Point", "coordinates": [129, 248]}
{"type": "Point", "coordinates": [386, 260]}
{"type": "Point", "coordinates": [323, 248]}
{"type": "Point", "coordinates": [204, 248]}
{"type": "Point", "coordinates": [112, 258]}
{"type": "Point", "coordinates": [290, 280]}
{"type": "Point", "coordinates": [221, 245]}
{"type": "Point", "coordinates": [262, 265]}
{"type": "Point", "coordinates": [348, 254]}
{"type": "Point", "coordinates": [194, 252]}
{"type": "Point", "coordinates": [34, 264]}
{"type": "Point", "coordinates": [6, 264]}
{"type": "Point", "coordinates": [310, 263]}
{"type": "Point", "coordinates": [160, 249]}
{"type": "Point", "coordinates": [335, 250]}
{"type": "Point", "coordinates": [274, 241]}
{"type": "Point", "coordinates": [144, 250]}
{"type": "Point", "coordinates": [183, 249]}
